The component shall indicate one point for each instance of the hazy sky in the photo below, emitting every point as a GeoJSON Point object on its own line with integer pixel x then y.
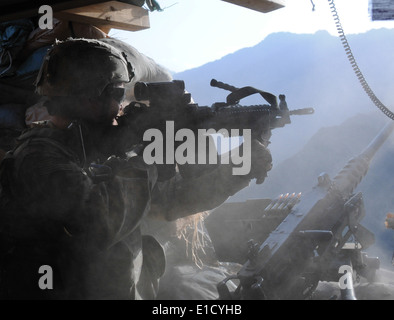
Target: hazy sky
{"type": "Point", "coordinates": [190, 33]}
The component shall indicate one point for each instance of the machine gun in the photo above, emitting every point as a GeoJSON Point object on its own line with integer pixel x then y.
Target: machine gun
{"type": "Point", "coordinates": [312, 243]}
{"type": "Point", "coordinates": [168, 101]}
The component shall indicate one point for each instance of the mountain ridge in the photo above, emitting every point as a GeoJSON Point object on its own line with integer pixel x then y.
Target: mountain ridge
{"type": "Point", "coordinates": [312, 70]}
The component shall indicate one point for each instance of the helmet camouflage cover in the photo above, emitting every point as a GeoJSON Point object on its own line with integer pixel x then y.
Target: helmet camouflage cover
{"type": "Point", "coordinates": [81, 67]}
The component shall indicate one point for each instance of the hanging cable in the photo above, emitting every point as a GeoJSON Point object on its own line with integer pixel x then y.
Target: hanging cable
{"type": "Point", "coordinates": [354, 65]}
{"type": "Point", "coordinates": [313, 5]}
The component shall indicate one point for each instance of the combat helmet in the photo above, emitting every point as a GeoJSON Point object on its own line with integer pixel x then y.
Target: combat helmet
{"type": "Point", "coordinates": [81, 67]}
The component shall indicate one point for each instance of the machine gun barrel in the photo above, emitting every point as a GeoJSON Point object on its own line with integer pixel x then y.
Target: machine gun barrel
{"type": "Point", "coordinates": [351, 175]}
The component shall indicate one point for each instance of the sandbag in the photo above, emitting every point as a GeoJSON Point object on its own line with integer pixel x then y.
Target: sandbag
{"type": "Point", "coordinates": [18, 86]}
{"type": "Point", "coordinates": [61, 31]}
{"type": "Point", "coordinates": [188, 282]}
{"type": "Point", "coordinates": [33, 63]}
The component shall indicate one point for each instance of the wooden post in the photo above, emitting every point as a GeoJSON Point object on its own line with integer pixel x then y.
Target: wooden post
{"type": "Point", "coordinates": [107, 15]}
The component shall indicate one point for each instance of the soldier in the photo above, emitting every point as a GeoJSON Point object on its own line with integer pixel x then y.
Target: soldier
{"type": "Point", "coordinates": [71, 209]}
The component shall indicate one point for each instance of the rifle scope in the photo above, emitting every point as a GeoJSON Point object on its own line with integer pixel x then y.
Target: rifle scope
{"type": "Point", "coordinates": [154, 91]}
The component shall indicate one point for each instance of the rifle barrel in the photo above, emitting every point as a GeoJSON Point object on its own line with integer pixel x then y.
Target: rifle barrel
{"type": "Point", "coordinates": [301, 111]}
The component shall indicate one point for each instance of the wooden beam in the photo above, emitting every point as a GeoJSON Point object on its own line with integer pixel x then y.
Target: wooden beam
{"type": "Point", "coordinates": [259, 5]}
{"type": "Point", "coordinates": [29, 8]}
{"type": "Point", "coordinates": [106, 15]}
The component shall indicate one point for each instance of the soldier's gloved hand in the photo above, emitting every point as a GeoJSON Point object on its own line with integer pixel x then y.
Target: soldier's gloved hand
{"type": "Point", "coordinates": [116, 164]}
{"type": "Point", "coordinates": [104, 172]}
{"type": "Point", "coordinates": [261, 161]}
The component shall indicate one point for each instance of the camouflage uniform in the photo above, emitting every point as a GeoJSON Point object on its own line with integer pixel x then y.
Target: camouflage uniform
{"type": "Point", "coordinates": [58, 209]}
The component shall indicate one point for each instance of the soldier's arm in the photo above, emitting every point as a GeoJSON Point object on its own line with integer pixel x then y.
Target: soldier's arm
{"type": "Point", "coordinates": [180, 197]}
{"type": "Point", "coordinates": [58, 191]}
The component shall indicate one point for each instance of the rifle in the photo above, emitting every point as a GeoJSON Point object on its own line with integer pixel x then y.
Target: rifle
{"type": "Point", "coordinates": [168, 101]}
{"type": "Point", "coordinates": [312, 243]}
{"type": "Point", "coordinates": [161, 102]}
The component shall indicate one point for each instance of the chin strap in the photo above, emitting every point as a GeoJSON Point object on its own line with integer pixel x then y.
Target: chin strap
{"type": "Point", "coordinates": [77, 123]}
